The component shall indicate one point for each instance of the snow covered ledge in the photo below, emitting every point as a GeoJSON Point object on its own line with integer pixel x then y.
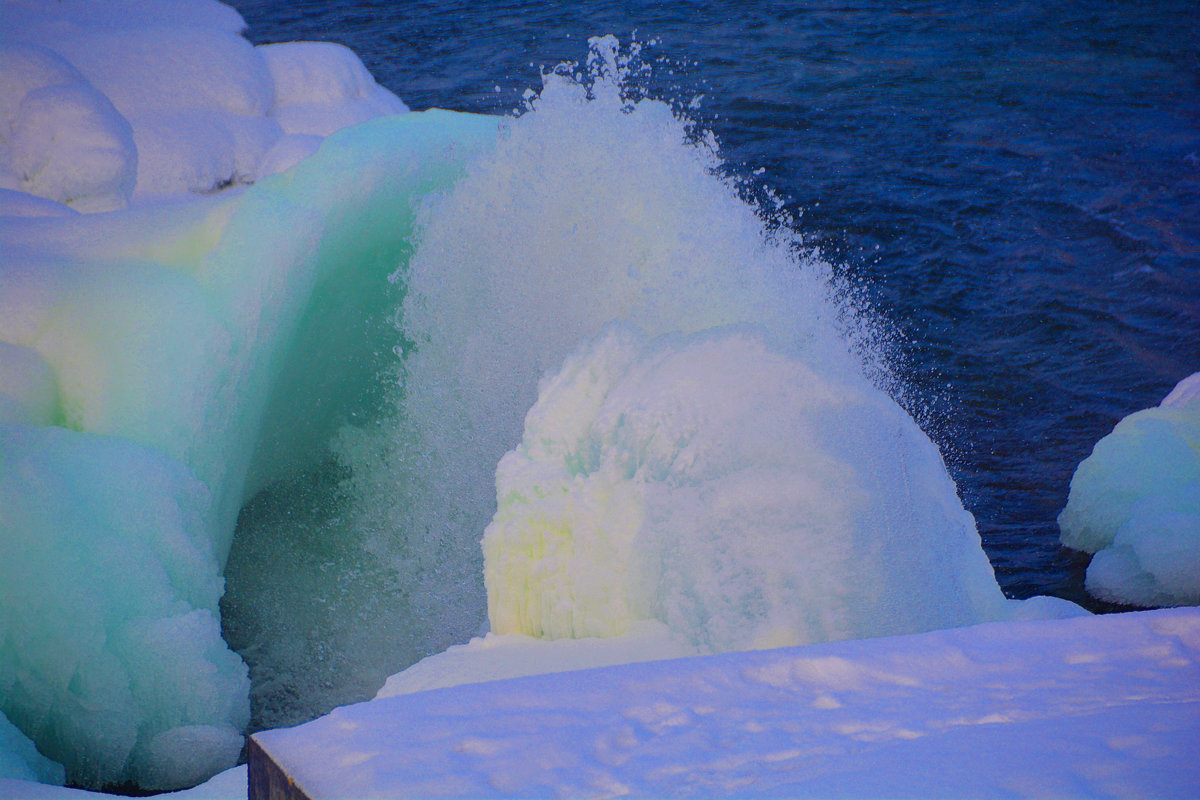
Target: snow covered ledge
{"type": "Point", "coordinates": [1088, 707]}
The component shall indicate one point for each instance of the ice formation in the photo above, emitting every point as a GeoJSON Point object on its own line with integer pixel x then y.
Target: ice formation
{"type": "Point", "coordinates": [105, 465]}
{"type": "Point", "coordinates": [1135, 503]}
{"type": "Point", "coordinates": [101, 104]}
{"type": "Point", "coordinates": [161, 365]}
{"type": "Point", "coordinates": [138, 350]}
{"type": "Point", "coordinates": [534, 255]}
{"type": "Point", "coordinates": [20, 759]}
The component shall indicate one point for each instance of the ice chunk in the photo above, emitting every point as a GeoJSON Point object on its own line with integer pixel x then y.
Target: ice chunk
{"type": "Point", "coordinates": [98, 676]}
{"type": "Point", "coordinates": [733, 493]}
{"type": "Point", "coordinates": [119, 488]}
{"type": "Point", "coordinates": [1135, 503]}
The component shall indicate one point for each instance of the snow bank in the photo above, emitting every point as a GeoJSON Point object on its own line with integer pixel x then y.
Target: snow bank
{"type": "Point", "coordinates": [320, 87]}
{"type": "Point", "coordinates": [63, 139]}
{"type": "Point", "coordinates": [101, 104]}
{"type": "Point", "coordinates": [119, 485]}
{"type": "Point", "coordinates": [498, 657]}
{"type": "Point", "coordinates": [1135, 503]}
{"type": "Point", "coordinates": [1087, 707]}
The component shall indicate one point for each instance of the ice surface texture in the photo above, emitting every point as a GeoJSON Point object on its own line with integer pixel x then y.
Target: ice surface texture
{"type": "Point", "coordinates": [1135, 503]}
{"type": "Point", "coordinates": [129, 100]}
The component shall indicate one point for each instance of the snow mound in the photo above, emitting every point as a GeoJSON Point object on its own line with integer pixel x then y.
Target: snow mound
{"type": "Point", "coordinates": [104, 104]}
{"type": "Point", "coordinates": [1135, 503]}
{"type": "Point", "coordinates": [65, 140]}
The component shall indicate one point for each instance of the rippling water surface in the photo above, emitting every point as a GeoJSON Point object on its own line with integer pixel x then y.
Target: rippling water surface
{"type": "Point", "coordinates": [1015, 186]}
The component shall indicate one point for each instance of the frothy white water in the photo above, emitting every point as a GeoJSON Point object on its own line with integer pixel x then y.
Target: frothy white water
{"type": "Point", "coordinates": [593, 210]}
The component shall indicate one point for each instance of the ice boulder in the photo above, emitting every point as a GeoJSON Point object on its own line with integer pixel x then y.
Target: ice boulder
{"type": "Point", "coordinates": [732, 492]}
{"type": "Point", "coordinates": [108, 681]}
{"type": "Point", "coordinates": [1135, 503]}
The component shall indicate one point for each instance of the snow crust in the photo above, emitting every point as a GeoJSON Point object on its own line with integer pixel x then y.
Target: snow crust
{"type": "Point", "coordinates": [104, 104]}
{"type": "Point", "coordinates": [1085, 707]}
{"type": "Point", "coordinates": [1135, 503]}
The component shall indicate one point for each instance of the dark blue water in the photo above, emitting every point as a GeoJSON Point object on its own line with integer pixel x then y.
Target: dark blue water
{"type": "Point", "coordinates": [1015, 186]}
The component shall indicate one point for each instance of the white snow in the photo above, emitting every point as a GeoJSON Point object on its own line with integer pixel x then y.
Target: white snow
{"type": "Point", "coordinates": [513, 655]}
{"type": "Point", "coordinates": [228, 785]}
{"type": "Point", "coordinates": [1086, 707]}
{"type": "Point", "coordinates": [1135, 503]}
{"type": "Point", "coordinates": [321, 87]}
{"type": "Point", "coordinates": [63, 140]}
{"type": "Point", "coordinates": [106, 103]}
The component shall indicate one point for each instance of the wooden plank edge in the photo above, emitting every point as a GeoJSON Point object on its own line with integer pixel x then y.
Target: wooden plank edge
{"type": "Point", "coordinates": [266, 780]}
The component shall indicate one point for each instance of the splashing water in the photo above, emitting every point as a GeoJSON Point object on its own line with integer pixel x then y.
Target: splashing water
{"type": "Point", "coordinates": [598, 207]}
